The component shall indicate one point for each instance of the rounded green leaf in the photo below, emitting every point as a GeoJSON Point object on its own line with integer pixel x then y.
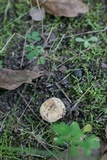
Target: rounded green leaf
{"type": "Point", "coordinates": [78, 39]}
{"type": "Point", "coordinates": [37, 38]}
{"type": "Point", "coordinates": [29, 37]}
{"type": "Point", "coordinates": [86, 44]}
{"type": "Point", "coordinates": [93, 39]}
{"type": "Point", "coordinates": [87, 128]}
{"type": "Point", "coordinates": [30, 56]}
{"type": "Point", "coordinates": [35, 34]}
{"type": "Point", "coordinates": [42, 60]}
{"type": "Point", "coordinates": [39, 47]}
{"type": "Point", "coordinates": [94, 142]}
{"type": "Point", "coordinates": [35, 53]}
{"type": "Point", "coordinates": [28, 48]}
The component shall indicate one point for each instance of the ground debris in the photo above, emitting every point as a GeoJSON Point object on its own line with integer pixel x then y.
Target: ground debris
{"type": "Point", "coordinates": [11, 79]}
{"type": "Point", "coordinates": [67, 8]}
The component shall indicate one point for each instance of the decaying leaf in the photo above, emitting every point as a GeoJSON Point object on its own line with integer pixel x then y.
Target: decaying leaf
{"type": "Point", "coordinates": [36, 14]}
{"type": "Point", "coordinates": [11, 79]}
{"type": "Point", "coordinates": [67, 8]}
{"type": "Point", "coordinates": [104, 157]}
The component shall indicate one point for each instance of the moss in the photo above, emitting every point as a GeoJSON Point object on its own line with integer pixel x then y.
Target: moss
{"type": "Point", "coordinates": [88, 91]}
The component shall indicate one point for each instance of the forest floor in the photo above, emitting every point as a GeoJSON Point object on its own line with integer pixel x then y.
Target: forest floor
{"type": "Point", "coordinates": [75, 74]}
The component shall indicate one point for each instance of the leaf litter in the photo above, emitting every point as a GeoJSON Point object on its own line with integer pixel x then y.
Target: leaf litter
{"type": "Point", "coordinates": [67, 8]}
{"type": "Point", "coordinates": [11, 79]}
{"type": "Point", "coordinates": [45, 88]}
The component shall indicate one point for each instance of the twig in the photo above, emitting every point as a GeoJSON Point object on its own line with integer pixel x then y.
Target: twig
{"type": "Point", "coordinates": [28, 105]}
{"type": "Point", "coordinates": [7, 43]}
{"type": "Point", "coordinates": [10, 40]}
{"type": "Point", "coordinates": [65, 77]}
{"type": "Point", "coordinates": [103, 30]}
{"type": "Point", "coordinates": [38, 5]}
{"type": "Point", "coordinates": [25, 44]}
{"type": "Point", "coordinates": [4, 120]}
{"type": "Point", "coordinates": [45, 147]}
{"type": "Point", "coordinates": [59, 43]}
{"type": "Point", "coordinates": [69, 59]}
{"type": "Point", "coordinates": [78, 101]}
{"type": "Point", "coordinates": [48, 37]}
{"type": "Point", "coordinates": [19, 17]}
{"type": "Point", "coordinates": [63, 92]}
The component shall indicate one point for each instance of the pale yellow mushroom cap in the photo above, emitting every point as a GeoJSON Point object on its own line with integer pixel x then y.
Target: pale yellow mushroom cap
{"type": "Point", "coordinates": [52, 109]}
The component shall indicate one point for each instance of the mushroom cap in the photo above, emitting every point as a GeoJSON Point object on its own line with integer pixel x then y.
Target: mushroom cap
{"type": "Point", "coordinates": [52, 109]}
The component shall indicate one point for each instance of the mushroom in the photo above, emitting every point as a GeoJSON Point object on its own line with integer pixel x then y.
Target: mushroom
{"type": "Point", "coordinates": [52, 109]}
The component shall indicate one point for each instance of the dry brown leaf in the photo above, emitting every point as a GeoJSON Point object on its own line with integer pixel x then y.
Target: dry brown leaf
{"type": "Point", "coordinates": [67, 8]}
{"type": "Point", "coordinates": [36, 14]}
{"type": "Point", "coordinates": [104, 157]}
{"type": "Point", "coordinates": [11, 79]}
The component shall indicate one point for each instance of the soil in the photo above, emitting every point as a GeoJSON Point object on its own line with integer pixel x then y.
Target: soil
{"type": "Point", "coordinates": [57, 81]}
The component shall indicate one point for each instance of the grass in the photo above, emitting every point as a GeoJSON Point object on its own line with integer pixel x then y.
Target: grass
{"type": "Point", "coordinates": [22, 128]}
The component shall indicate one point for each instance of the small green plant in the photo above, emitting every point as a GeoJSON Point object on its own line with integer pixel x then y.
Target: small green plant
{"type": "Point", "coordinates": [86, 42]}
{"type": "Point", "coordinates": [34, 36]}
{"type": "Point", "coordinates": [34, 51]}
{"type": "Point", "coordinates": [1, 64]}
{"type": "Point", "coordinates": [75, 137]}
{"type": "Point", "coordinates": [105, 111]}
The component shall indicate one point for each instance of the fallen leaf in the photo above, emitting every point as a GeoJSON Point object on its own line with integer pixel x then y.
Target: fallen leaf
{"type": "Point", "coordinates": [67, 8]}
{"type": "Point", "coordinates": [36, 14]}
{"type": "Point", "coordinates": [104, 65]}
{"type": "Point", "coordinates": [11, 79]}
{"type": "Point", "coordinates": [104, 157]}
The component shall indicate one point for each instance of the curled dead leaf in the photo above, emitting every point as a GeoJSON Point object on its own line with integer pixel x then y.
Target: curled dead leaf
{"type": "Point", "coordinates": [11, 79]}
{"type": "Point", "coordinates": [36, 14]}
{"type": "Point", "coordinates": [67, 8]}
